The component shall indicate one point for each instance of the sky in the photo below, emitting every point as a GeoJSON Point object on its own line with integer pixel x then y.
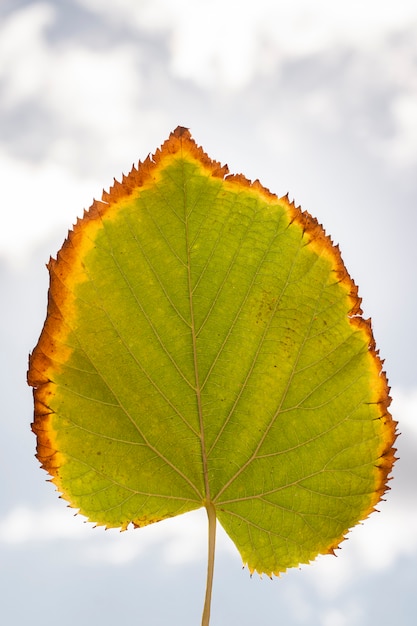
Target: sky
{"type": "Point", "coordinates": [315, 99]}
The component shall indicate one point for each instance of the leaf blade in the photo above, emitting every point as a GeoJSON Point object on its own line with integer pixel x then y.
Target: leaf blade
{"type": "Point", "coordinates": [215, 329]}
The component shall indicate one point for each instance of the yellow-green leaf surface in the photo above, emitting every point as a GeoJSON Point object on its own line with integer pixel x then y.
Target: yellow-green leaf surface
{"type": "Point", "coordinates": [204, 346]}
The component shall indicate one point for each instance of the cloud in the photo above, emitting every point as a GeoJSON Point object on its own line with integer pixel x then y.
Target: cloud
{"type": "Point", "coordinates": [23, 525]}
{"type": "Point", "coordinates": [175, 541]}
{"type": "Point", "coordinates": [24, 52]}
{"type": "Point", "coordinates": [73, 109]}
{"type": "Point", "coordinates": [93, 90]}
{"type": "Point", "coordinates": [402, 147]}
{"type": "Point", "coordinates": [38, 200]}
{"type": "Point", "coordinates": [227, 43]}
{"type": "Point", "coordinates": [345, 616]}
{"type": "Point", "coordinates": [404, 408]}
{"type": "Point", "coordinates": [359, 58]}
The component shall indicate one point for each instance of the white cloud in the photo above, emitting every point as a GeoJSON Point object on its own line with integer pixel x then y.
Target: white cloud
{"type": "Point", "coordinates": [218, 43]}
{"type": "Point", "coordinates": [345, 616]}
{"type": "Point", "coordinates": [24, 53]}
{"type": "Point", "coordinates": [225, 47]}
{"type": "Point", "coordinates": [174, 541]}
{"type": "Point", "coordinates": [404, 409]}
{"type": "Point", "coordinates": [91, 90]}
{"type": "Point", "coordinates": [23, 525]}
{"type": "Point", "coordinates": [38, 200]}
{"type": "Point", "coordinates": [91, 97]}
{"type": "Point", "coordinates": [402, 147]}
{"type": "Point", "coordinates": [95, 89]}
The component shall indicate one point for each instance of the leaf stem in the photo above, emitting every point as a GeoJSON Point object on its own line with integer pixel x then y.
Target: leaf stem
{"type": "Point", "coordinates": [211, 514]}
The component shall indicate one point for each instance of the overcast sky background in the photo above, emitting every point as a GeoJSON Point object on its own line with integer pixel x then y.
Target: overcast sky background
{"type": "Point", "coordinates": [317, 99]}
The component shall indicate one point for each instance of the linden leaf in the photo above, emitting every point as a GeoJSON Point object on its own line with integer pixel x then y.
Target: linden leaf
{"type": "Point", "coordinates": [204, 346]}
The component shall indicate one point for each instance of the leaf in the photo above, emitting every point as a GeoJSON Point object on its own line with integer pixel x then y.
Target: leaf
{"type": "Point", "coordinates": [204, 346]}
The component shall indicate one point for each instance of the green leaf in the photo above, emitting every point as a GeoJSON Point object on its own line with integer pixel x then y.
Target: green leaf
{"type": "Point", "coordinates": [204, 346]}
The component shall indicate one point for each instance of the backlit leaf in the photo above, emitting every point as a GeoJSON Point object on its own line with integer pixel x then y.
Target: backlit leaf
{"type": "Point", "coordinates": [204, 346]}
